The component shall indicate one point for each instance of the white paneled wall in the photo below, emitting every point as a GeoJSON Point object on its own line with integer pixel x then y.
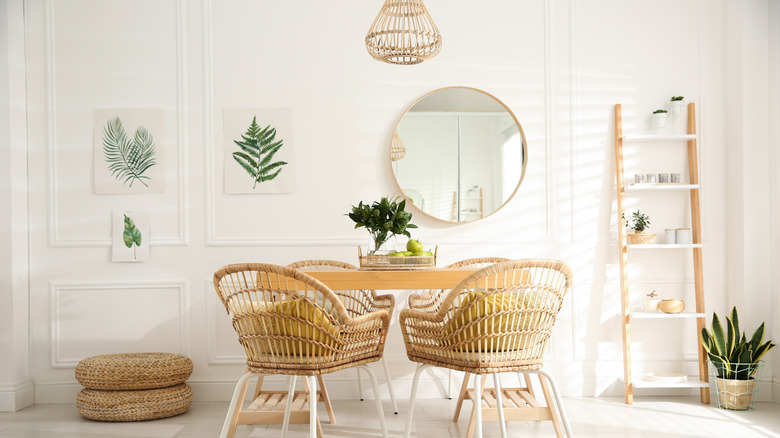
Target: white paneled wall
{"type": "Point", "coordinates": [559, 66]}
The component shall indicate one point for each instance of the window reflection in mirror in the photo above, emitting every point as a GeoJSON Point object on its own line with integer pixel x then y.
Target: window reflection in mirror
{"type": "Point", "coordinates": [464, 154]}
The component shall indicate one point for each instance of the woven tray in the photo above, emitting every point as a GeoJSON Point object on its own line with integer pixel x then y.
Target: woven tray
{"type": "Point", "coordinates": [146, 404]}
{"type": "Point", "coordinates": [130, 371]}
{"type": "Point", "coordinates": [385, 262]}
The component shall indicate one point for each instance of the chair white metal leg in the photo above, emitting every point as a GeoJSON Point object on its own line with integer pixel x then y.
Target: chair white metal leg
{"type": "Point", "coordinates": [288, 406]}
{"type": "Point", "coordinates": [389, 386]}
{"type": "Point", "coordinates": [378, 400]}
{"type": "Point", "coordinates": [499, 403]}
{"type": "Point", "coordinates": [477, 406]}
{"type": "Point", "coordinates": [235, 402]}
{"type": "Point", "coordinates": [420, 368]}
{"type": "Point", "coordinates": [360, 385]}
{"type": "Point", "coordinates": [449, 384]}
{"type": "Point", "coordinates": [558, 401]}
{"type": "Point", "coordinates": [312, 406]}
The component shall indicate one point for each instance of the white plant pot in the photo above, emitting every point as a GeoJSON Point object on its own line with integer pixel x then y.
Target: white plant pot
{"type": "Point", "coordinates": [659, 120]}
{"type": "Point", "coordinates": [677, 106]}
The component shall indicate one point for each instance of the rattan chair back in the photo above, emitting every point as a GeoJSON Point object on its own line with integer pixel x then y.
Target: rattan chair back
{"type": "Point", "coordinates": [431, 301]}
{"type": "Point", "coordinates": [356, 301]}
{"type": "Point", "coordinates": [291, 323]}
{"type": "Point", "coordinates": [496, 320]}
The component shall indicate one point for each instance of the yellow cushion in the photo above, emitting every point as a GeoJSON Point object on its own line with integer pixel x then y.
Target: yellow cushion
{"type": "Point", "coordinates": [321, 329]}
{"type": "Point", "coordinates": [492, 304]}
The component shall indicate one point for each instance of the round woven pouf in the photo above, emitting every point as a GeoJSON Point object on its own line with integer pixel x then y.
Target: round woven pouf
{"type": "Point", "coordinates": [134, 405]}
{"type": "Point", "coordinates": [127, 371]}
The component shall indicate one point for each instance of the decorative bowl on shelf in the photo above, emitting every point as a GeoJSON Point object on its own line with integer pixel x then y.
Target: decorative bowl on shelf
{"type": "Point", "coordinates": [672, 306]}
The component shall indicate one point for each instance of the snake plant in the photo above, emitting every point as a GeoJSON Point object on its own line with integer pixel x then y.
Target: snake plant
{"type": "Point", "coordinates": [732, 354]}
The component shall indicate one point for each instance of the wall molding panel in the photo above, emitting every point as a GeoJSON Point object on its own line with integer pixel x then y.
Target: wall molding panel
{"type": "Point", "coordinates": [54, 226]}
{"type": "Point", "coordinates": [66, 297]}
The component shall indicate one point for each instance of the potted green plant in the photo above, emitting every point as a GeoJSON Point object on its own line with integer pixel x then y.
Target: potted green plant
{"type": "Point", "coordinates": [639, 223]}
{"type": "Point", "coordinates": [383, 219]}
{"type": "Point", "coordinates": [677, 104]}
{"type": "Point", "coordinates": [735, 359]}
{"type": "Point", "coordinates": [659, 118]}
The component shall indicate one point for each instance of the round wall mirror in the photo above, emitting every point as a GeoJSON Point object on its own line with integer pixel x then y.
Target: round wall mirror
{"type": "Point", "coordinates": [458, 154]}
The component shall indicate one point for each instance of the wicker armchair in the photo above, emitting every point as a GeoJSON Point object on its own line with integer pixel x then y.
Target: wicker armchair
{"type": "Point", "coordinates": [431, 301]}
{"type": "Point", "coordinates": [291, 324]}
{"type": "Point", "coordinates": [357, 302]}
{"type": "Point", "coordinates": [496, 320]}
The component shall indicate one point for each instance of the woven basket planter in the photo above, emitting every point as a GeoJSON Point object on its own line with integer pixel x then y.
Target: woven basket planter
{"type": "Point", "coordinates": [136, 405]}
{"type": "Point", "coordinates": [641, 238]}
{"type": "Point", "coordinates": [128, 371]}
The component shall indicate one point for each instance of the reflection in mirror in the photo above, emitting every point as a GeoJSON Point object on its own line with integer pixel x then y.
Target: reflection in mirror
{"type": "Point", "coordinates": [464, 154]}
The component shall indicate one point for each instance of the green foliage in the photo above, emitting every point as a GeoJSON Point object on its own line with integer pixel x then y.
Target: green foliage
{"type": "Point", "coordinates": [128, 159]}
{"type": "Point", "coordinates": [676, 98]}
{"type": "Point", "coordinates": [383, 219]}
{"type": "Point", "coordinates": [257, 150]}
{"type": "Point", "coordinates": [132, 235]}
{"type": "Point", "coordinates": [639, 221]}
{"type": "Point", "coordinates": [733, 356]}
{"type": "Point", "coordinates": [660, 111]}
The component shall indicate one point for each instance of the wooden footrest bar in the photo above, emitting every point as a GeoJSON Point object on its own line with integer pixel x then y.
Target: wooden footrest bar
{"type": "Point", "coordinates": [518, 403]}
{"type": "Point", "coordinates": [268, 408]}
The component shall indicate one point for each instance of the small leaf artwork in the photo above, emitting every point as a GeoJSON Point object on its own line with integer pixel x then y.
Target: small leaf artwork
{"type": "Point", "coordinates": [131, 236]}
{"type": "Point", "coordinates": [128, 159]}
{"type": "Point", "coordinates": [258, 147]}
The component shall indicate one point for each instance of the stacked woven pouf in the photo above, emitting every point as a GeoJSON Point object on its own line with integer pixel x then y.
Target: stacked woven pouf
{"type": "Point", "coordinates": [134, 386]}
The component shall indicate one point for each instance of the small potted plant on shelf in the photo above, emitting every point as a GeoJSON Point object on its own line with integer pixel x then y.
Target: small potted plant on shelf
{"type": "Point", "coordinates": [677, 104]}
{"type": "Point", "coordinates": [659, 118]}
{"type": "Point", "coordinates": [736, 361]}
{"type": "Point", "coordinates": [639, 223]}
{"type": "Point", "coordinates": [383, 219]}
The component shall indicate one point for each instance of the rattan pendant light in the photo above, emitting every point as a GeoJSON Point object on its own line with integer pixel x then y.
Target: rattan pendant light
{"type": "Point", "coordinates": [397, 149]}
{"type": "Point", "coordinates": [403, 33]}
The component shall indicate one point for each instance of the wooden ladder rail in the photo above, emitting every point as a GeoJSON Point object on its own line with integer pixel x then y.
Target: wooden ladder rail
{"type": "Point", "coordinates": [623, 256]}
{"type": "Point", "coordinates": [698, 269]}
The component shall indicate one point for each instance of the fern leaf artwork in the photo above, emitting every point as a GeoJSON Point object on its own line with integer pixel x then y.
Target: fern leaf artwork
{"type": "Point", "coordinates": [127, 158]}
{"type": "Point", "coordinates": [131, 235]}
{"type": "Point", "coordinates": [258, 147]}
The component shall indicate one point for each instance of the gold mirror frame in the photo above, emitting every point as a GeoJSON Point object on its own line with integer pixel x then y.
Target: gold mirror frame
{"type": "Point", "coordinates": [524, 155]}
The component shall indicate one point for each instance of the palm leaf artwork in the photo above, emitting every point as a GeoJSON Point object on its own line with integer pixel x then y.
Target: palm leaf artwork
{"type": "Point", "coordinates": [132, 235]}
{"type": "Point", "coordinates": [258, 148]}
{"type": "Point", "coordinates": [128, 159]}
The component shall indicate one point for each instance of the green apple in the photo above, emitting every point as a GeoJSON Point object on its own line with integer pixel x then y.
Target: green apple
{"type": "Point", "coordinates": [396, 254]}
{"type": "Point", "coordinates": [414, 245]}
{"type": "Point", "coordinates": [408, 253]}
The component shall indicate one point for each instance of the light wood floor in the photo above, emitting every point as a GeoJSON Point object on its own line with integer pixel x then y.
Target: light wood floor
{"type": "Point", "coordinates": [649, 417]}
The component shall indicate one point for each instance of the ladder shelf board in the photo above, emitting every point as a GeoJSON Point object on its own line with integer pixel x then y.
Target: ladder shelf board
{"type": "Point", "coordinates": [662, 315]}
{"type": "Point", "coordinates": [693, 382]}
{"type": "Point", "coordinates": [644, 187]}
{"type": "Point", "coordinates": [652, 137]}
{"type": "Point", "coordinates": [664, 245]}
